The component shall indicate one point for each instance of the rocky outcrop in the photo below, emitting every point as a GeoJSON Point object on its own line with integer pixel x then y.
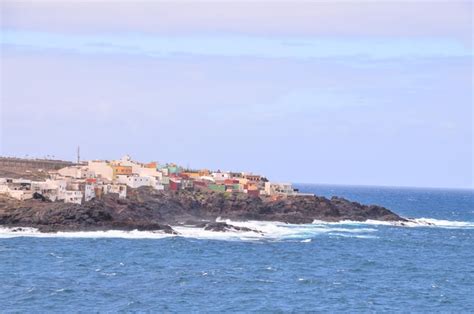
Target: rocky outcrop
{"type": "Point", "coordinates": [224, 227]}
{"type": "Point", "coordinates": [147, 209]}
{"type": "Point", "coordinates": [105, 214]}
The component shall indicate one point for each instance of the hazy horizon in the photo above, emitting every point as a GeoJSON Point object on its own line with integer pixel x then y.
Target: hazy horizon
{"type": "Point", "coordinates": [341, 93]}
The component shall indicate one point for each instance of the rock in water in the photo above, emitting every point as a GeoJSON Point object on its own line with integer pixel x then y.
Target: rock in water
{"type": "Point", "coordinates": [224, 227]}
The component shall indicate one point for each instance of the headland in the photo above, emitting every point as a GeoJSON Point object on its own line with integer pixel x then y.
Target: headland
{"type": "Point", "coordinates": [127, 195]}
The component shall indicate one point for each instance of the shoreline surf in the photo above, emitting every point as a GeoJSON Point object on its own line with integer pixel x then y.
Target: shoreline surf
{"type": "Point", "coordinates": [268, 230]}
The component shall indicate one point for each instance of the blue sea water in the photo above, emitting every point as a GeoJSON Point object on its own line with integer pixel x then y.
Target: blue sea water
{"type": "Point", "coordinates": [349, 267]}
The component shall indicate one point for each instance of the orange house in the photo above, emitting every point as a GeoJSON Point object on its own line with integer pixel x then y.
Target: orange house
{"type": "Point", "coordinates": [121, 170]}
{"type": "Point", "coordinates": [152, 165]}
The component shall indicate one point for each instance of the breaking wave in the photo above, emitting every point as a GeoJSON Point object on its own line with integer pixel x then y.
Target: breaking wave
{"type": "Point", "coordinates": [263, 230]}
{"type": "Point", "coordinates": [411, 222]}
{"type": "Point", "coordinates": [33, 232]}
{"type": "Point", "coordinates": [449, 224]}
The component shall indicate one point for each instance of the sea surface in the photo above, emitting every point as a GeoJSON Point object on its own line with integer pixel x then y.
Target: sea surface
{"type": "Point", "coordinates": [426, 266]}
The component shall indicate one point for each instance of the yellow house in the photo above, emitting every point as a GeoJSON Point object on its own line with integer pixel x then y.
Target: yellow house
{"type": "Point", "coordinates": [204, 172]}
{"type": "Point", "coordinates": [250, 186]}
{"type": "Point", "coordinates": [252, 177]}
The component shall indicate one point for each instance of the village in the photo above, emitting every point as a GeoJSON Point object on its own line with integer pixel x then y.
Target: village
{"type": "Point", "coordinates": [84, 181]}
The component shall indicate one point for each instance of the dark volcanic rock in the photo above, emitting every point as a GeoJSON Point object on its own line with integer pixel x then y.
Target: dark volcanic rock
{"type": "Point", "coordinates": [105, 214]}
{"type": "Point", "coordinates": [38, 196]}
{"type": "Point", "coordinates": [223, 227]}
{"type": "Point", "coordinates": [147, 209]}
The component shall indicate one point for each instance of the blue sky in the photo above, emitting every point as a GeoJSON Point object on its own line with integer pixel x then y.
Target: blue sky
{"type": "Point", "coordinates": [238, 45]}
{"type": "Point", "coordinates": [343, 93]}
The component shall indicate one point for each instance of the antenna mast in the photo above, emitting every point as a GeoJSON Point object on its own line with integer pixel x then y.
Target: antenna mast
{"type": "Point", "coordinates": [78, 154]}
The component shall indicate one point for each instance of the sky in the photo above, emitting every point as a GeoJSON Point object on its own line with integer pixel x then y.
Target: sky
{"type": "Point", "coordinates": [353, 92]}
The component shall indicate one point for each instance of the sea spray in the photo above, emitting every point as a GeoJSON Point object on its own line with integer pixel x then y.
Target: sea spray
{"type": "Point", "coordinates": [276, 231]}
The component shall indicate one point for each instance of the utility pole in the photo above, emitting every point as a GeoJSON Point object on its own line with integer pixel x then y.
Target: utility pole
{"type": "Point", "coordinates": [78, 154]}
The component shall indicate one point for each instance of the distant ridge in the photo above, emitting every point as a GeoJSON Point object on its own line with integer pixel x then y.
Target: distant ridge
{"type": "Point", "coordinates": [36, 168]}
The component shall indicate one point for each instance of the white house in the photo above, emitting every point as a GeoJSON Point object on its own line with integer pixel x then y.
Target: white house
{"type": "Point", "coordinates": [20, 194]}
{"type": "Point", "coordinates": [148, 172]}
{"type": "Point", "coordinates": [101, 169]}
{"type": "Point", "coordinates": [77, 172]}
{"type": "Point", "coordinates": [51, 189]}
{"type": "Point", "coordinates": [60, 185]}
{"type": "Point", "coordinates": [134, 181]}
{"type": "Point", "coordinates": [156, 183]}
{"type": "Point", "coordinates": [220, 176]}
{"type": "Point", "coordinates": [279, 189]}
{"type": "Point", "coordinates": [19, 189]}
{"type": "Point", "coordinates": [208, 179]}
{"type": "Point", "coordinates": [120, 189]}
{"type": "Point", "coordinates": [89, 192]}
{"type": "Point", "coordinates": [3, 185]}
{"type": "Point", "coordinates": [74, 197]}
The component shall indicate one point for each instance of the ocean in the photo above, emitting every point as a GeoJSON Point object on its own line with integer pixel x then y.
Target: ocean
{"type": "Point", "coordinates": [426, 266]}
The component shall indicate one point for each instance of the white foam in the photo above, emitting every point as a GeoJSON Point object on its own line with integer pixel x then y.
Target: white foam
{"type": "Point", "coordinates": [33, 232]}
{"type": "Point", "coordinates": [199, 233]}
{"type": "Point", "coordinates": [450, 224]}
{"type": "Point", "coordinates": [283, 231]}
{"type": "Point", "coordinates": [411, 222]}
{"type": "Point", "coordinates": [360, 236]}
{"type": "Point", "coordinates": [273, 231]}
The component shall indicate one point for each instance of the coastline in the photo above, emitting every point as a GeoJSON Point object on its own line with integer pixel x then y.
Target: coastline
{"type": "Point", "coordinates": [252, 230]}
{"type": "Point", "coordinates": [148, 210]}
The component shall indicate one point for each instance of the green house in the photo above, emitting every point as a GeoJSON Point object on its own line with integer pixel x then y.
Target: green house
{"type": "Point", "coordinates": [216, 187]}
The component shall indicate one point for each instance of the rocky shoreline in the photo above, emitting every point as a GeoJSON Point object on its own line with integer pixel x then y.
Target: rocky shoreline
{"type": "Point", "coordinates": [150, 210]}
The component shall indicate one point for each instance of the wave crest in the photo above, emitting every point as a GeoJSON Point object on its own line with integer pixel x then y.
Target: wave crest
{"type": "Point", "coordinates": [270, 231]}
{"type": "Point", "coordinates": [411, 222]}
